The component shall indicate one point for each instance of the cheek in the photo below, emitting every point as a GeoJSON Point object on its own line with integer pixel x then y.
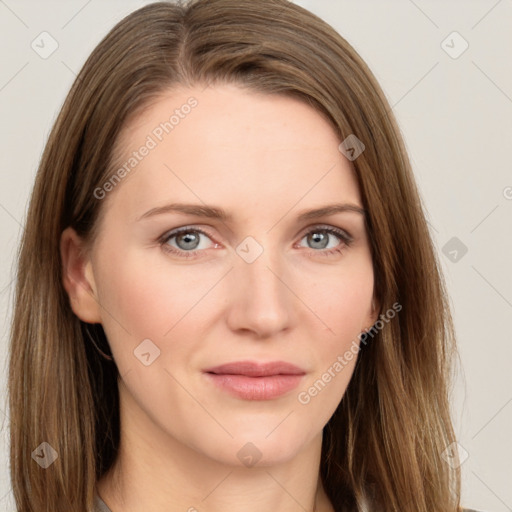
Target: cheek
{"type": "Point", "coordinates": [341, 300]}
{"type": "Point", "coordinates": [342, 304]}
{"type": "Point", "coordinates": [147, 295]}
{"type": "Point", "coordinates": [144, 296]}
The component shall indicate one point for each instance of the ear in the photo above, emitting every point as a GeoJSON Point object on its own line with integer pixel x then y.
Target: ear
{"type": "Point", "coordinates": [78, 278]}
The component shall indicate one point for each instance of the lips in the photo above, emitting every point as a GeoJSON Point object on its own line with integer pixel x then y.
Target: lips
{"type": "Point", "coordinates": [250, 380]}
{"type": "Point", "coordinates": [254, 369]}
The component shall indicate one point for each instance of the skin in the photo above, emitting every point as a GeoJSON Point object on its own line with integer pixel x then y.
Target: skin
{"type": "Point", "coordinates": [263, 159]}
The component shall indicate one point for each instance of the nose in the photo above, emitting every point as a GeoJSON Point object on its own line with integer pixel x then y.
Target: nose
{"type": "Point", "coordinates": [261, 301]}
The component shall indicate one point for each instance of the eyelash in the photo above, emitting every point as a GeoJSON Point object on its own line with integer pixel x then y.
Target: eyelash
{"type": "Point", "coordinates": [343, 236]}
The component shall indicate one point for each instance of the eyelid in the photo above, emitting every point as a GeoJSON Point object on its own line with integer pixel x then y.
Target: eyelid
{"type": "Point", "coordinates": [184, 229]}
{"type": "Point", "coordinates": [343, 233]}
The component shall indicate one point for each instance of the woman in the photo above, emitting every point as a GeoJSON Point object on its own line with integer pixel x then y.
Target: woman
{"type": "Point", "coordinates": [252, 369]}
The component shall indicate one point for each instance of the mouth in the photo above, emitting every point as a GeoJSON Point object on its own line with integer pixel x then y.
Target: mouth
{"type": "Point", "coordinates": [255, 369]}
{"type": "Point", "coordinates": [250, 380]}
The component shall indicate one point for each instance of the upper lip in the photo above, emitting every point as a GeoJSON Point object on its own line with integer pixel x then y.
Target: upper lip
{"type": "Point", "coordinates": [255, 369]}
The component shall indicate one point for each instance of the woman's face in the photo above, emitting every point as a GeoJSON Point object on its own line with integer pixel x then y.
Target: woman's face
{"type": "Point", "coordinates": [263, 284]}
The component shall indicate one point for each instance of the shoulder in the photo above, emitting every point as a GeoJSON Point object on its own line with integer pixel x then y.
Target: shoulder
{"type": "Point", "coordinates": [471, 510]}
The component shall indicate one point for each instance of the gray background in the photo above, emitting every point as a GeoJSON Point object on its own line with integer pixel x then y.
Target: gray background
{"type": "Point", "coordinates": [455, 112]}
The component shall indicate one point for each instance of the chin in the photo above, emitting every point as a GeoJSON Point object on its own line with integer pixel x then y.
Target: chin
{"type": "Point", "coordinates": [258, 450]}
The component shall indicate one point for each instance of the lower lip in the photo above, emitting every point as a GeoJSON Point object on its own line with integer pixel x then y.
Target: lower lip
{"type": "Point", "coordinates": [256, 388]}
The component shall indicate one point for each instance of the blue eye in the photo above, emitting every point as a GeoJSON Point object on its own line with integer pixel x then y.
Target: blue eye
{"type": "Point", "coordinates": [188, 239]}
{"type": "Point", "coordinates": [323, 240]}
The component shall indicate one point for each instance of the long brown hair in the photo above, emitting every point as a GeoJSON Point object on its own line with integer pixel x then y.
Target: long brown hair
{"type": "Point", "coordinates": [385, 442]}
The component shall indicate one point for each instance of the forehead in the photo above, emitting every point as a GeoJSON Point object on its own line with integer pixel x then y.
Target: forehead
{"type": "Point", "coordinates": [235, 147]}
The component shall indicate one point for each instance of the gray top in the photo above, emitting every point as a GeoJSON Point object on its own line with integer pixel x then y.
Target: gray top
{"type": "Point", "coordinates": [101, 506]}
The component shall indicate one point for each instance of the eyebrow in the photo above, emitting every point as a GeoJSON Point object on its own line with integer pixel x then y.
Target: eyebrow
{"type": "Point", "coordinates": [215, 212]}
